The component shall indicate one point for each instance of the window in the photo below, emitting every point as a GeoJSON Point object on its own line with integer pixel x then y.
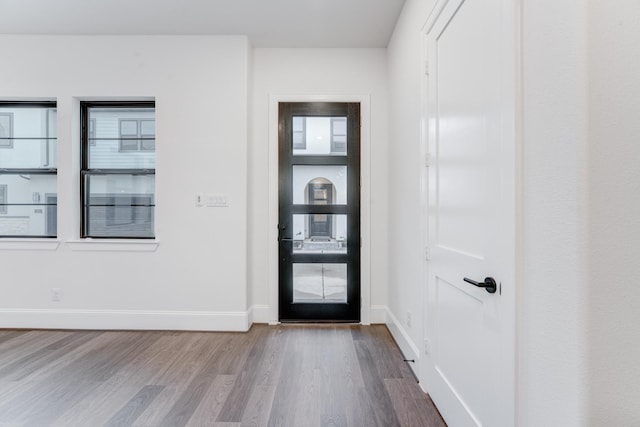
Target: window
{"type": "Point", "coordinates": [137, 135]}
{"type": "Point", "coordinates": [28, 168]}
{"type": "Point", "coordinates": [6, 130]}
{"type": "Point", "coordinates": [3, 199]}
{"type": "Point", "coordinates": [338, 134]}
{"type": "Point", "coordinates": [299, 133]}
{"type": "Point", "coordinates": [118, 169]}
{"type": "Point", "coordinates": [92, 132]}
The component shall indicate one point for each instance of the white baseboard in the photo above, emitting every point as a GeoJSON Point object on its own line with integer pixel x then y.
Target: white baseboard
{"type": "Point", "coordinates": [407, 346]}
{"type": "Point", "coordinates": [124, 319]}
{"type": "Point", "coordinates": [258, 314]}
{"type": "Point", "coordinates": [378, 314]}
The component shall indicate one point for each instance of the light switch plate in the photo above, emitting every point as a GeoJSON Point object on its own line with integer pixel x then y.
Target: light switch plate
{"type": "Point", "coordinates": [217, 200]}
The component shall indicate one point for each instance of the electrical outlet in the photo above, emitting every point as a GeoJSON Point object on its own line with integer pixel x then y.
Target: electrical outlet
{"type": "Point", "coordinates": [427, 346]}
{"type": "Point", "coordinates": [408, 319]}
{"type": "Point", "coordinates": [56, 294]}
{"type": "Point", "coordinates": [199, 199]}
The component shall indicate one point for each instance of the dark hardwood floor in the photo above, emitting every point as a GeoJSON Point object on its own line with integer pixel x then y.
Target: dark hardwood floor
{"type": "Point", "coordinates": [287, 375]}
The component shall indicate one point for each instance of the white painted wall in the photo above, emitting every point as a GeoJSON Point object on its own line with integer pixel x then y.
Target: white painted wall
{"type": "Point", "coordinates": [552, 350]}
{"type": "Point", "coordinates": [196, 278]}
{"type": "Point", "coordinates": [300, 73]}
{"type": "Point", "coordinates": [614, 209]}
{"type": "Point", "coordinates": [407, 284]}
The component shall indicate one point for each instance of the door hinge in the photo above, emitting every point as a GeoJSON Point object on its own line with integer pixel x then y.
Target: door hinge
{"type": "Point", "coordinates": [427, 253]}
{"type": "Point", "coordinates": [426, 68]}
{"type": "Point", "coordinates": [360, 241]}
{"type": "Point", "coordinates": [427, 160]}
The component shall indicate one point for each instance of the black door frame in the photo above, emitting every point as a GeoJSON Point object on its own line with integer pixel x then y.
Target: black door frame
{"type": "Point", "coordinates": [319, 312]}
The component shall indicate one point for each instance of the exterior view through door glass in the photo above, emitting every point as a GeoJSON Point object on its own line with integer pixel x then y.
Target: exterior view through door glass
{"type": "Point", "coordinates": [319, 212]}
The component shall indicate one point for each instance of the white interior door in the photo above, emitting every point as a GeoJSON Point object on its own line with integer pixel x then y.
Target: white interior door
{"type": "Point", "coordinates": [471, 133]}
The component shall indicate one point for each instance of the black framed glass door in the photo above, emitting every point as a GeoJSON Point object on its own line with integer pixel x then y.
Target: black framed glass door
{"type": "Point", "coordinates": [319, 212]}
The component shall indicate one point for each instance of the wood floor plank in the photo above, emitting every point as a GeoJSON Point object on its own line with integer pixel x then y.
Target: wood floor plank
{"type": "Point", "coordinates": [348, 357]}
{"type": "Point", "coordinates": [405, 405]}
{"type": "Point", "coordinates": [110, 361]}
{"type": "Point", "coordinates": [209, 407]}
{"type": "Point", "coordinates": [51, 373]}
{"type": "Point", "coordinates": [184, 408]}
{"type": "Point", "coordinates": [132, 410]}
{"type": "Point", "coordinates": [45, 404]}
{"type": "Point", "coordinates": [233, 354]}
{"type": "Point", "coordinates": [258, 407]}
{"type": "Point", "coordinates": [285, 400]}
{"type": "Point", "coordinates": [333, 388]}
{"type": "Point", "coordinates": [246, 379]}
{"type": "Point", "coordinates": [8, 335]}
{"type": "Point", "coordinates": [309, 378]}
{"type": "Point", "coordinates": [352, 379]}
{"type": "Point", "coordinates": [121, 387]}
{"type": "Point", "coordinates": [176, 376]}
{"type": "Point", "coordinates": [385, 359]}
{"type": "Point", "coordinates": [30, 363]}
{"type": "Point", "coordinates": [383, 411]}
{"type": "Point", "coordinates": [26, 343]}
{"type": "Point", "coordinates": [285, 375]}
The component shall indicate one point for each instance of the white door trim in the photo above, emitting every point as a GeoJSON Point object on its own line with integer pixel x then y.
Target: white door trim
{"type": "Point", "coordinates": [365, 195]}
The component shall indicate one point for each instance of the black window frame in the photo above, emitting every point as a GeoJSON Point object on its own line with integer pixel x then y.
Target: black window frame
{"type": "Point", "coordinates": [86, 171]}
{"type": "Point", "coordinates": [43, 170]}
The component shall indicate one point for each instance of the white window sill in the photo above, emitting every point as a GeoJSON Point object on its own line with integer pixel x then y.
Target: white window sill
{"type": "Point", "coordinates": [28, 244]}
{"type": "Point", "coordinates": [113, 245]}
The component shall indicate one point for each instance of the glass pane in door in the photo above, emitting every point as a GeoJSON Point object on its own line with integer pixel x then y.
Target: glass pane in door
{"type": "Point", "coordinates": [319, 185]}
{"type": "Point", "coordinates": [319, 283]}
{"type": "Point", "coordinates": [320, 234]}
{"type": "Point", "coordinates": [319, 136]}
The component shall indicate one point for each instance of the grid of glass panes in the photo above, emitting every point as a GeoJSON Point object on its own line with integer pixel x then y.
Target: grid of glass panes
{"type": "Point", "coordinates": [28, 169]}
{"type": "Point", "coordinates": [319, 234]}
{"type": "Point", "coordinates": [118, 171]}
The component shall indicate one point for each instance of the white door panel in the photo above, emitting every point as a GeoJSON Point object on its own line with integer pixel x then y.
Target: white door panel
{"type": "Point", "coordinates": [470, 108]}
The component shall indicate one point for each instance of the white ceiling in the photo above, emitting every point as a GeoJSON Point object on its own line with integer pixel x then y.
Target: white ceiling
{"type": "Point", "coordinates": [268, 23]}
